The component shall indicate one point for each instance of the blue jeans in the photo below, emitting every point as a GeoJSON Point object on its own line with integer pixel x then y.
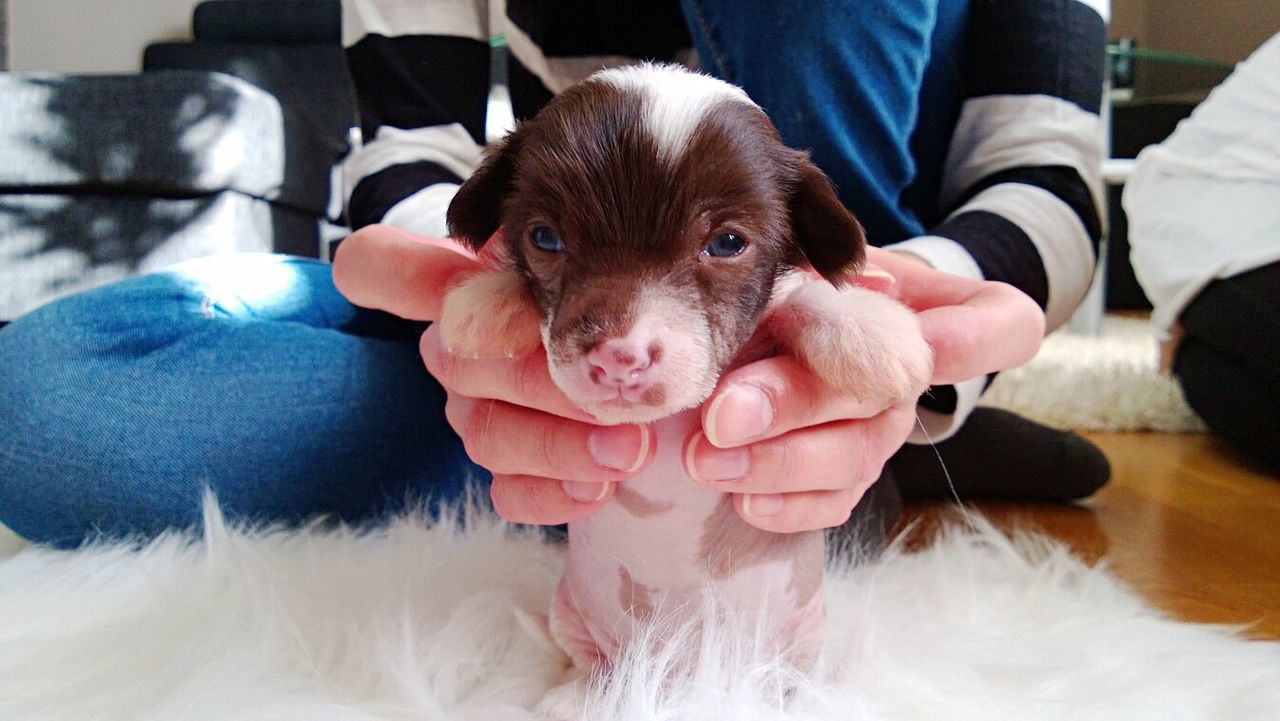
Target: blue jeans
{"type": "Point", "coordinates": [252, 377]}
{"type": "Point", "coordinates": [249, 375]}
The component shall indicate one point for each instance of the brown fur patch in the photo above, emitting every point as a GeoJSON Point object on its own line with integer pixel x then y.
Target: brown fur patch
{"type": "Point", "coordinates": [637, 504]}
{"type": "Point", "coordinates": [655, 396]}
{"type": "Point", "coordinates": [729, 544]}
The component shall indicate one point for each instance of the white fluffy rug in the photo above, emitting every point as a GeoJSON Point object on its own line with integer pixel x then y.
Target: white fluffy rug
{"type": "Point", "coordinates": [412, 621]}
{"type": "Point", "coordinates": [1107, 382]}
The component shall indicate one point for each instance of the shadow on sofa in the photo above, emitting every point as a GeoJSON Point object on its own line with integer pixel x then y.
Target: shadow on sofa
{"type": "Point", "coordinates": [107, 176]}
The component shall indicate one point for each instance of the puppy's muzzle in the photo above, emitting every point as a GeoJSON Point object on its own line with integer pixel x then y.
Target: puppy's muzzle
{"type": "Point", "coordinates": [632, 365]}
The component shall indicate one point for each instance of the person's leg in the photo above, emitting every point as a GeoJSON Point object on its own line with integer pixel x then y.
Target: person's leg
{"type": "Point", "coordinates": [248, 375]}
{"type": "Point", "coordinates": [1229, 360]}
{"type": "Point", "coordinates": [999, 454]}
{"type": "Point", "coordinates": [1232, 401]}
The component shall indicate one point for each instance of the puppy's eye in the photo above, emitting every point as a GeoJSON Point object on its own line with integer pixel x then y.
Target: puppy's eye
{"type": "Point", "coordinates": [725, 245]}
{"type": "Point", "coordinates": [546, 239]}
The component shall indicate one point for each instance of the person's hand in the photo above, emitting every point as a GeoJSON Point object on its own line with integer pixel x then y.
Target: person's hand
{"type": "Point", "coordinates": [798, 455]}
{"type": "Point", "coordinates": [550, 463]}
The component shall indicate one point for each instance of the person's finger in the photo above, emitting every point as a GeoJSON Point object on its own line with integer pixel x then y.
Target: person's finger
{"type": "Point", "coordinates": [546, 501]}
{"type": "Point", "coordinates": [975, 327]}
{"type": "Point", "coordinates": [995, 329]}
{"type": "Point", "coordinates": [873, 277]}
{"type": "Point", "coordinates": [833, 456]}
{"type": "Point", "coordinates": [771, 397]}
{"type": "Point", "coordinates": [523, 380]}
{"type": "Point", "coordinates": [795, 512]}
{"type": "Point", "coordinates": [385, 268]}
{"type": "Point", "coordinates": [513, 440]}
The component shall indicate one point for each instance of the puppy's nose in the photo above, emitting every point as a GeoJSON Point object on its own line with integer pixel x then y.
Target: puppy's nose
{"type": "Point", "coordinates": [621, 362]}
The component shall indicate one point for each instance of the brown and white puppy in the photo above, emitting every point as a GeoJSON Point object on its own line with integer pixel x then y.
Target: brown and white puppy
{"type": "Point", "coordinates": [657, 232]}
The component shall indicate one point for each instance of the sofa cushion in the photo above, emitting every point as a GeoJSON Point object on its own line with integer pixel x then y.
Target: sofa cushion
{"type": "Point", "coordinates": [54, 245]}
{"type": "Point", "coordinates": [311, 81]}
{"type": "Point", "coordinates": [170, 134]}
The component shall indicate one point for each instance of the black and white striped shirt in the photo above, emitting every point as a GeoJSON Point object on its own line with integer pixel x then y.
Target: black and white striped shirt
{"type": "Point", "coordinates": [1019, 194]}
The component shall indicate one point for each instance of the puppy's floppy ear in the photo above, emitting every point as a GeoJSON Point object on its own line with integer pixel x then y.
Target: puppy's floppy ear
{"type": "Point", "coordinates": [826, 235]}
{"type": "Point", "coordinates": [475, 212]}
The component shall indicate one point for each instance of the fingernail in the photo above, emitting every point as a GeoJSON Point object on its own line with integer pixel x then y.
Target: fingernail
{"type": "Point", "coordinates": [762, 505]}
{"type": "Point", "coordinates": [622, 448]}
{"type": "Point", "coordinates": [705, 463]}
{"type": "Point", "coordinates": [585, 491]}
{"type": "Point", "coordinates": [739, 414]}
{"type": "Point", "coordinates": [876, 279]}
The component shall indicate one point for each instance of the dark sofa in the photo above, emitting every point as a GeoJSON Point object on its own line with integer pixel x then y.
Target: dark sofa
{"type": "Point", "coordinates": [225, 143]}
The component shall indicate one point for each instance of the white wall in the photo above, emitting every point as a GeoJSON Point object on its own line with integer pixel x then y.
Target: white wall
{"type": "Point", "coordinates": [86, 36]}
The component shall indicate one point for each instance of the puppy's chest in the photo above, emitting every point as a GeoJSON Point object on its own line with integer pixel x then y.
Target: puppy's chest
{"type": "Point", "coordinates": [657, 518]}
{"type": "Point", "coordinates": [668, 536]}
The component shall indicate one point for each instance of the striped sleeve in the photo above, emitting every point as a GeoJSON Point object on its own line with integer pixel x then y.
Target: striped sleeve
{"type": "Point", "coordinates": [421, 73]}
{"type": "Point", "coordinates": [1022, 183]}
{"type": "Point", "coordinates": [1022, 187]}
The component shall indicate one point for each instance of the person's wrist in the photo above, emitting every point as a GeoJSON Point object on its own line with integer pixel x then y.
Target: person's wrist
{"type": "Point", "coordinates": [914, 257]}
{"type": "Point", "coordinates": [937, 253]}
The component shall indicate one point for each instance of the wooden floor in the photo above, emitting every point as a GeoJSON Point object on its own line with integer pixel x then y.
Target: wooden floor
{"type": "Point", "coordinates": [1184, 521]}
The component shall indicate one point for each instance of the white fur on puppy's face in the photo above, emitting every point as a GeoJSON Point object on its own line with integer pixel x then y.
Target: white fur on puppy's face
{"type": "Point", "coordinates": [686, 367]}
{"type": "Point", "coordinates": [675, 101]}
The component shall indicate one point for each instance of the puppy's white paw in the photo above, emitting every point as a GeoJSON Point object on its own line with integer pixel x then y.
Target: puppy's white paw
{"type": "Point", "coordinates": [536, 626]}
{"type": "Point", "coordinates": [488, 315]}
{"type": "Point", "coordinates": [856, 340]}
{"type": "Point", "coordinates": [565, 702]}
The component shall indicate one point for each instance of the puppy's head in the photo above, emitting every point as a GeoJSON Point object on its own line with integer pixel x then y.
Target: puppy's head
{"type": "Point", "coordinates": [650, 210]}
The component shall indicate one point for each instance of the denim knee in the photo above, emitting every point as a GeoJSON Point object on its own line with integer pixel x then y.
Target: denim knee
{"type": "Point", "coordinates": [123, 404]}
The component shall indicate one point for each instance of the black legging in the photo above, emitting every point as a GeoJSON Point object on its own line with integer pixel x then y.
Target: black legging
{"type": "Point", "coordinates": [1229, 361]}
